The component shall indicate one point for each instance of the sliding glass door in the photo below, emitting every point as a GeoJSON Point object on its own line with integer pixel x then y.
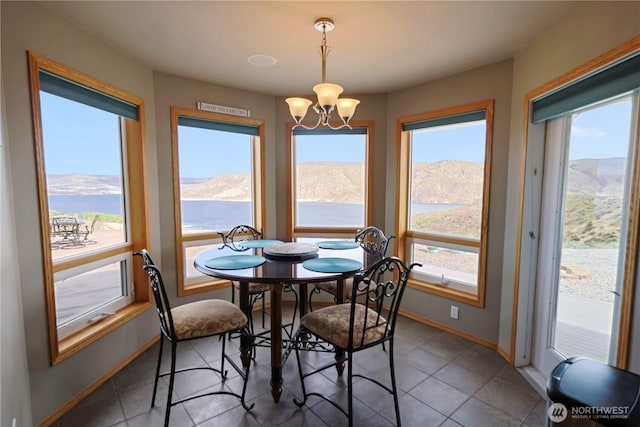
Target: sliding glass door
{"type": "Point", "coordinates": [583, 246]}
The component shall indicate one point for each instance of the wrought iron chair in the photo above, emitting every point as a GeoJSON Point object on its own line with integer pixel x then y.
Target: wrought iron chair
{"type": "Point", "coordinates": [369, 319]}
{"type": "Point", "coordinates": [233, 240]}
{"type": "Point", "coordinates": [88, 229]}
{"type": "Point", "coordinates": [374, 242]}
{"type": "Point", "coordinates": [54, 232]}
{"type": "Point", "coordinates": [200, 319]}
{"type": "Point", "coordinates": [66, 229]}
{"type": "Point", "coordinates": [239, 233]}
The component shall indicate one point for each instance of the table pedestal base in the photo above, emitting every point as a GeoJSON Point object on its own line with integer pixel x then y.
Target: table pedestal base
{"type": "Point", "coordinates": [276, 383]}
{"type": "Point", "coordinates": [276, 342]}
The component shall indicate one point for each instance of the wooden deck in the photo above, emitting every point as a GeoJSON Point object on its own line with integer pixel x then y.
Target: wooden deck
{"type": "Point", "coordinates": [572, 340]}
{"type": "Point", "coordinates": [583, 327]}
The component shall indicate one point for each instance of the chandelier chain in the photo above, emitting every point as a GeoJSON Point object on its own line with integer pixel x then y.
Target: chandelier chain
{"type": "Point", "coordinates": [324, 52]}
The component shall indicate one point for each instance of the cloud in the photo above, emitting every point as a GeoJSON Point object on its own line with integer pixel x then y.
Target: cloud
{"type": "Point", "coordinates": [581, 132]}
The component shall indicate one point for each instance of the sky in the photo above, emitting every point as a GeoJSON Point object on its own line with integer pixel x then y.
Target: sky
{"type": "Point", "coordinates": [78, 138]}
{"type": "Point", "coordinates": [84, 140]}
{"type": "Point", "coordinates": [330, 148]}
{"type": "Point", "coordinates": [601, 132]}
{"type": "Point", "coordinates": [206, 153]}
{"type": "Point", "coordinates": [461, 142]}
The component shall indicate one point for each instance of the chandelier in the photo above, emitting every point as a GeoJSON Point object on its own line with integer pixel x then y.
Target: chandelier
{"type": "Point", "coordinates": [327, 93]}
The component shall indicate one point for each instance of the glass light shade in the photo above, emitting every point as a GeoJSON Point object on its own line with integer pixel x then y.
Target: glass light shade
{"type": "Point", "coordinates": [298, 107]}
{"type": "Point", "coordinates": [327, 94]}
{"type": "Point", "coordinates": [347, 107]}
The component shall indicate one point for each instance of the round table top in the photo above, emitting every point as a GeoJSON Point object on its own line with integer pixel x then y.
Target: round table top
{"type": "Point", "coordinates": [279, 268]}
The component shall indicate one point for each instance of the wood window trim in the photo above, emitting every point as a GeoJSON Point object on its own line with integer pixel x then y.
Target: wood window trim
{"type": "Point", "coordinates": [258, 178]}
{"type": "Point", "coordinates": [403, 168]}
{"type": "Point", "coordinates": [292, 230]}
{"type": "Point", "coordinates": [61, 349]}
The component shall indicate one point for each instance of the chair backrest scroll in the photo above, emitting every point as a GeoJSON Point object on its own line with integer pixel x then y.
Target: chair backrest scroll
{"type": "Point", "coordinates": [373, 240]}
{"type": "Point", "coordinates": [379, 288]}
{"type": "Point", "coordinates": [163, 306]}
{"type": "Point", "coordinates": [238, 234]}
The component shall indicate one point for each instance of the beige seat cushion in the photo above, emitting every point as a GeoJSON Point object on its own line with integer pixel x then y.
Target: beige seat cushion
{"type": "Point", "coordinates": [206, 317]}
{"type": "Point", "coordinates": [332, 324]}
{"type": "Point", "coordinates": [255, 288]}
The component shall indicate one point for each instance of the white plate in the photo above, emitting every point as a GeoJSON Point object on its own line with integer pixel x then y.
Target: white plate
{"type": "Point", "coordinates": [292, 249]}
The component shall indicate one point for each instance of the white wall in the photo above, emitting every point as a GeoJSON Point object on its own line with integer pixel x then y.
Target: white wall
{"type": "Point", "coordinates": [489, 82]}
{"type": "Point", "coordinates": [175, 91]}
{"type": "Point", "coordinates": [30, 26]}
{"type": "Point", "coordinates": [14, 375]}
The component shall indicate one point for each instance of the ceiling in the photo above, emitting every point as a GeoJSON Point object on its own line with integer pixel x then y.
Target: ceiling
{"type": "Point", "coordinates": [376, 46]}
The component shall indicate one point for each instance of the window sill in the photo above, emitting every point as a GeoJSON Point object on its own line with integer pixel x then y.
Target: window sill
{"type": "Point", "coordinates": [195, 288]}
{"type": "Point", "coordinates": [454, 294]}
{"type": "Point", "coordinates": [76, 342]}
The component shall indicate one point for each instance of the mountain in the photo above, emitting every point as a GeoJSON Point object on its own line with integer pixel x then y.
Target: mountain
{"type": "Point", "coordinates": [226, 186]}
{"type": "Point", "coordinates": [597, 177]}
{"type": "Point", "coordinates": [83, 184]}
{"type": "Point", "coordinates": [330, 182]}
{"type": "Point", "coordinates": [316, 181]}
{"type": "Point", "coordinates": [446, 181]}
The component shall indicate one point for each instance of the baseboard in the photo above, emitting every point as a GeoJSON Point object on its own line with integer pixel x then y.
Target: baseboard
{"type": "Point", "coordinates": [449, 329]}
{"type": "Point", "coordinates": [505, 355]}
{"type": "Point", "coordinates": [97, 383]}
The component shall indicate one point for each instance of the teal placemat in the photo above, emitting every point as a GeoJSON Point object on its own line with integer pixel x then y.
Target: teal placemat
{"type": "Point", "coordinates": [260, 243]}
{"type": "Point", "coordinates": [235, 262]}
{"type": "Point", "coordinates": [337, 244]}
{"type": "Point", "coordinates": [332, 265]}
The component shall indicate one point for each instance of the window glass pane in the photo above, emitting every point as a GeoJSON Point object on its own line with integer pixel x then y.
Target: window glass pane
{"type": "Point", "coordinates": [594, 215]}
{"type": "Point", "coordinates": [85, 133]}
{"type": "Point", "coordinates": [445, 157]}
{"type": "Point", "coordinates": [215, 179]}
{"type": "Point", "coordinates": [190, 252]}
{"type": "Point", "coordinates": [330, 182]}
{"type": "Point", "coordinates": [83, 164]}
{"type": "Point", "coordinates": [447, 179]}
{"type": "Point", "coordinates": [84, 294]}
{"type": "Point", "coordinates": [447, 265]}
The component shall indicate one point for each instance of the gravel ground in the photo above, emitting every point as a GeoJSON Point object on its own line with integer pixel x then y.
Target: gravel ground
{"type": "Point", "coordinates": [600, 264]}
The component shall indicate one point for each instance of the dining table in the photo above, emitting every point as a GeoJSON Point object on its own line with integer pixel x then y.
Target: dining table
{"type": "Point", "coordinates": [279, 263]}
{"type": "Point", "coordinates": [66, 228]}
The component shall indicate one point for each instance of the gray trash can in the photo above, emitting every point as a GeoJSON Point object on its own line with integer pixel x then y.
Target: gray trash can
{"type": "Point", "coordinates": [584, 392]}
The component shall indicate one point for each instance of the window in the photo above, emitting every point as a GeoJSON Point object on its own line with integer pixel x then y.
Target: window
{"type": "Point", "coordinates": [443, 186]}
{"type": "Point", "coordinates": [217, 184]}
{"type": "Point", "coordinates": [89, 149]}
{"type": "Point", "coordinates": [329, 176]}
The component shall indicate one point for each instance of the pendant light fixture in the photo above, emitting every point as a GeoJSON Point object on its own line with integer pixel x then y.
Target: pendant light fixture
{"type": "Point", "coordinates": [328, 93]}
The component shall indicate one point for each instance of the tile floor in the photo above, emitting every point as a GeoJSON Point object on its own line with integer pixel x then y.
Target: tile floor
{"type": "Point", "coordinates": [443, 380]}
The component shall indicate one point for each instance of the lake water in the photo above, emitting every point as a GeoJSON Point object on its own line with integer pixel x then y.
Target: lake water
{"type": "Point", "coordinates": [220, 215]}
